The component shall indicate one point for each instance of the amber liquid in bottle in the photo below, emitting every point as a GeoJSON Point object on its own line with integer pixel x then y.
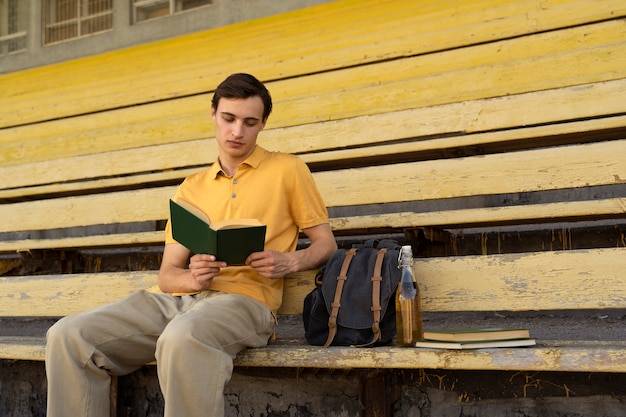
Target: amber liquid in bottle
{"type": "Point", "coordinates": [408, 303]}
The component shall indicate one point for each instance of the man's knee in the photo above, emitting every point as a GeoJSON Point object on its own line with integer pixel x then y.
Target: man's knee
{"type": "Point", "coordinates": [62, 330]}
{"type": "Point", "coordinates": [175, 336]}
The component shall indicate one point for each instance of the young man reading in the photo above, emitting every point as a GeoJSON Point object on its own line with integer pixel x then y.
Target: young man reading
{"type": "Point", "coordinates": [208, 311]}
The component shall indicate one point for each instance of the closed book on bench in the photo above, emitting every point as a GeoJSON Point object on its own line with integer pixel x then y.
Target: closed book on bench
{"type": "Point", "coordinates": [433, 344]}
{"type": "Point", "coordinates": [476, 334]}
{"type": "Point", "coordinates": [229, 240]}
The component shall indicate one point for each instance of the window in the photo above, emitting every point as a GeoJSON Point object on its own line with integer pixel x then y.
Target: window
{"type": "Point", "coordinates": [150, 9]}
{"type": "Point", "coordinates": [13, 22]}
{"type": "Point", "coordinates": [67, 19]}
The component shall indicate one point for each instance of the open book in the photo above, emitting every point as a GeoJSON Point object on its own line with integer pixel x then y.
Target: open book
{"type": "Point", "coordinates": [229, 240]}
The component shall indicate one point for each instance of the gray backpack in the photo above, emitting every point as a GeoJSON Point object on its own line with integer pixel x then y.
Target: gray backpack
{"type": "Point", "coordinates": [353, 303]}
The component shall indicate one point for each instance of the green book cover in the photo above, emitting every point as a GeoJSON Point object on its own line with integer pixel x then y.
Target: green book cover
{"type": "Point", "coordinates": [230, 241]}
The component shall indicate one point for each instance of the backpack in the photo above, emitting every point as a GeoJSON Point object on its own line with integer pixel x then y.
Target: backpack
{"type": "Point", "coordinates": [353, 303]}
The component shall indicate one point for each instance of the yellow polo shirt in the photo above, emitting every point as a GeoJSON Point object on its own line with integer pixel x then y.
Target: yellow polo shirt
{"type": "Point", "coordinates": [273, 187]}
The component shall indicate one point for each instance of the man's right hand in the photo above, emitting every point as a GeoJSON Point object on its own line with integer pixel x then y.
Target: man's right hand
{"type": "Point", "coordinates": [203, 269]}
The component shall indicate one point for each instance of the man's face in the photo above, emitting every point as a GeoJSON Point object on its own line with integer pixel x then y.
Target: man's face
{"type": "Point", "coordinates": [237, 124]}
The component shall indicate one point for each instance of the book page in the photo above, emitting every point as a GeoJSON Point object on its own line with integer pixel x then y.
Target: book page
{"type": "Point", "coordinates": [235, 224]}
{"type": "Point", "coordinates": [476, 334]}
{"type": "Point", "coordinates": [193, 209]}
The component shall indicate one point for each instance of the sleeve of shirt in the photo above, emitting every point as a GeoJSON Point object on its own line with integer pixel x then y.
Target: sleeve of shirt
{"type": "Point", "coordinates": [168, 225]}
{"type": "Point", "coordinates": [308, 207]}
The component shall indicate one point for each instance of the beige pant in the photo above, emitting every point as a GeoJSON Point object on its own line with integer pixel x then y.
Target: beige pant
{"type": "Point", "coordinates": [193, 338]}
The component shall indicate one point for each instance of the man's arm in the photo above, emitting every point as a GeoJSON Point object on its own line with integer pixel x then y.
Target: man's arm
{"type": "Point", "coordinates": [175, 277]}
{"type": "Point", "coordinates": [272, 264]}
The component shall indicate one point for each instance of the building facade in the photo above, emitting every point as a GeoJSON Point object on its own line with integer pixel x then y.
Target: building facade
{"type": "Point", "coordinates": [40, 32]}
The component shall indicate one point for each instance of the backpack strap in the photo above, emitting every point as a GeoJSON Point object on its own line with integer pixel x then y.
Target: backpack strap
{"type": "Point", "coordinates": [341, 279]}
{"type": "Point", "coordinates": [377, 279]}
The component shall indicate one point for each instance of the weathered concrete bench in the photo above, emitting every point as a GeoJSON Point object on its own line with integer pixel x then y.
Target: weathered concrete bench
{"type": "Point", "coordinates": [497, 178]}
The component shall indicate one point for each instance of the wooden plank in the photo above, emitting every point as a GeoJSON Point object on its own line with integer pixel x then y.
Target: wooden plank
{"type": "Point", "coordinates": [110, 208]}
{"type": "Point", "coordinates": [523, 214]}
{"type": "Point", "coordinates": [399, 28]}
{"type": "Point", "coordinates": [577, 279]}
{"type": "Point", "coordinates": [52, 140]}
{"type": "Point", "coordinates": [520, 65]}
{"type": "Point", "coordinates": [574, 166]}
{"type": "Point", "coordinates": [95, 186]}
{"type": "Point", "coordinates": [23, 348]}
{"type": "Point", "coordinates": [481, 117]}
{"type": "Point", "coordinates": [582, 279]}
{"type": "Point", "coordinates": [508, 67]}
{"type": "Point", "coordinates": [549, 355]}
{"type": "Point", "coordinates": [297, 286]}
{"type": "Point", "coordinates": [61, 295]}
{"type": "Point", "coordinates": [117, 240]}
{"type": "Point", "coordinates": [545, 169]}
{"type": "Point", "coordinates": [536, 213]}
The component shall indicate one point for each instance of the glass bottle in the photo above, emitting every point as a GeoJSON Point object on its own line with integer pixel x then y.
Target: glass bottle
{"type": "Point", "coordinates": [408, 303]}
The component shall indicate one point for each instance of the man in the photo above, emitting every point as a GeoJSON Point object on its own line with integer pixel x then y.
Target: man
{"type": "Point", "coordinates": [207, 311]}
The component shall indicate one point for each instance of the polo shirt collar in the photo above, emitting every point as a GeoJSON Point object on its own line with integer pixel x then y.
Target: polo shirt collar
{"type": "Point", "coordinates": [253, 161]}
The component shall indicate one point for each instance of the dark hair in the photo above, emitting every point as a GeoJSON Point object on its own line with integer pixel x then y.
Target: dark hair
{"type": "Point", "coordinates": [243, 86]}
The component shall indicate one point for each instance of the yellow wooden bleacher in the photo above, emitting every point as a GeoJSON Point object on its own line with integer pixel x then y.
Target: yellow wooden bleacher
{"type": "Point", "coordinates": [432, 115]}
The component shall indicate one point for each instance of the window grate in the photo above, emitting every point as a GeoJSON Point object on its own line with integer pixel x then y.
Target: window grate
{"type": "Point", "coordinates": [68, 19]}
{"type": "Point", "coordinates": [151, 9]}
{"type": "Point", "coordinates": [13, 24]}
